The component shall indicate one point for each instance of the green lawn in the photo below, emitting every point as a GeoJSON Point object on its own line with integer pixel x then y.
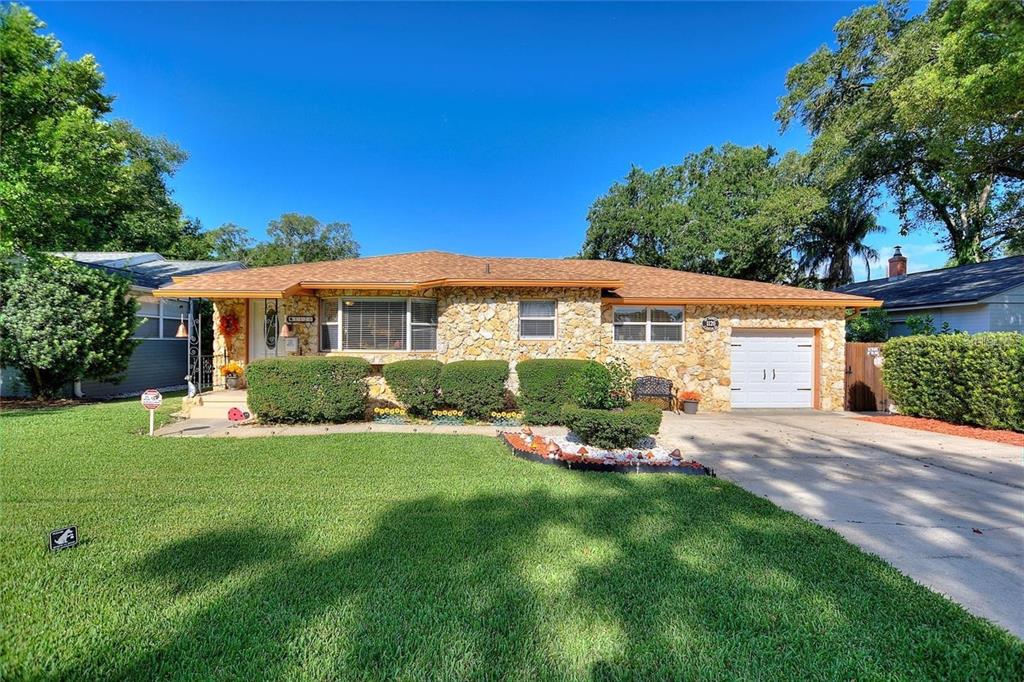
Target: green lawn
{"type": "Point", "coordinates": [411, 556]}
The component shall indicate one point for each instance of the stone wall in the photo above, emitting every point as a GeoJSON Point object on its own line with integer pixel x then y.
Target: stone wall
{"type": "Point", "coordinates": [479, 324]}
{"type": "Point", "coordinates": [226, 349]}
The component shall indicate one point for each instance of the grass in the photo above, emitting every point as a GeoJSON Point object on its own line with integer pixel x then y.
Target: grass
{"type": "Point", "coordinates": [416, 556]}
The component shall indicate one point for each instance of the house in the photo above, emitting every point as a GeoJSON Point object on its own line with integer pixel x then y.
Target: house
{"type": "Point", "coordinates": [739, 343]}
{"type": "Point", "coordinates": [981, 297]}
{"type": "Point", "coordinates": [161, 359]}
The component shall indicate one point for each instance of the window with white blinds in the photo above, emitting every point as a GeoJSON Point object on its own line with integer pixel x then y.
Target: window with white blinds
{"type": "Point", "coordinates": [393, 324]}
{"type": "Point", "coordinates": [655, 324]}
{"type": "Point", "coordinates": [422, 325]}
{"type": "Point", "coordinates": [537, 319]}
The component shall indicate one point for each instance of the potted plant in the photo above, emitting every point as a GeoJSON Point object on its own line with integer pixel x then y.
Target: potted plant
{"type": "Point", "coordinates": [232, 373]}
{"type": "Point", "coordinates": [690, 400]}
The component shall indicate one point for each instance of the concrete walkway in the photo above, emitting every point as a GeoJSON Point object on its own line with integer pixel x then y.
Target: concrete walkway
{"type": "Point", "coordinates": [223, 428]}
{"type": "Point", "coordinates": [945, 510]}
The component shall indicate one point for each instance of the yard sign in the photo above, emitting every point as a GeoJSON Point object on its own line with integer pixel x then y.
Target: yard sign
{"type": "Point", "coordinates": [151, 399]}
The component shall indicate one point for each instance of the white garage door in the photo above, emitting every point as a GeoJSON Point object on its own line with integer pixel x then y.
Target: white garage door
{"type": "Point", "coordinates": [772, 368]}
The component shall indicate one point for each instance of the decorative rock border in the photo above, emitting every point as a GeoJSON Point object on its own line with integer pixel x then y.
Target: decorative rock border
{"type": "Point", "coordinates": [547, 451]}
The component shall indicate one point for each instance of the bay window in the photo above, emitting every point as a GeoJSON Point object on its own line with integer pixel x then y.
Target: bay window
{"type": "Point", "coordinates": [379, 324]}
{"type": "Point", "coordinates": [648, 324]}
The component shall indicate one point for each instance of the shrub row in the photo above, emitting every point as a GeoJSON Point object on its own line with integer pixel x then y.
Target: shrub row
{"type": "Point", "coordinates": [613, 428]}
{"type": "Point", "coordinates": [308, 389]}
{"type": "Point", "coordinates": [960, 378]}
{"type": "Point", "coordinates": [547, 385]}
{"type": "Point", "coordinates": [416, 384]}
{"type": "Point", "coordinates": [477, 387]}
{"type": "Point", "coordinates": [326, 389]}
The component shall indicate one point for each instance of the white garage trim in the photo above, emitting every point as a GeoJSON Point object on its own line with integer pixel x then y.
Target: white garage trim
{"type": "Point", "coordinates": [773, 368]}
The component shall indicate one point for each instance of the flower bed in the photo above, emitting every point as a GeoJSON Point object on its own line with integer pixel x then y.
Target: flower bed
{"type": "Point", "coordinates": [510, 418]}
{"type": "Point", "coordinates": [390, 415]}
{"type": "Point", "coordinates": [572, 454]}
{"type": "Point", "coordinates": [447, 417]}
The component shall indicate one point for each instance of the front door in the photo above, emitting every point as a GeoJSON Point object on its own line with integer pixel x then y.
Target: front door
{"type": "Point", "coordinates": [263, 328]}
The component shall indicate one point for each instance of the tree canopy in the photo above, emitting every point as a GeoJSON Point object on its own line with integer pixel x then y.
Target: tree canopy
{"type": "Point", "coordinates": [732, 211]}
{"type": "Point", "coordinates": [294, 238]}
{"type": "Point", "coordinates": [69, 177]}
{"type": "Point", "coordinates": [930, 108]}
{"type": "Point", "coordinates": [834, 237]}
{"type": "Point", "coordinates": [61, 321]}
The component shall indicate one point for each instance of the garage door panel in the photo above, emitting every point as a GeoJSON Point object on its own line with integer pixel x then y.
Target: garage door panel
{"type": "Point", "coordinates": [772, 368]}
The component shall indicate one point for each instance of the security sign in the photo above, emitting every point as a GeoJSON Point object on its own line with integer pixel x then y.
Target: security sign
{"type": "Point", "coordinates": [151, 399]}
{"type": "Point", "coordinates": [64, 538]}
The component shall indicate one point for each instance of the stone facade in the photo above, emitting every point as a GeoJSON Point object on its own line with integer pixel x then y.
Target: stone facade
{"type": "Point", "coordinates": [481, 324]}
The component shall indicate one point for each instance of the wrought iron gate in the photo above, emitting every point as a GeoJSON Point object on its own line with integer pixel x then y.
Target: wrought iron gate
{"type": "Point", "coordinates": [201, 367]}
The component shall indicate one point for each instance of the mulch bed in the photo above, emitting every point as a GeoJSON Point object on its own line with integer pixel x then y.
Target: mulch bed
{"type": "Point", "coordinates": [937, 426]}
{"type": "Point", "coordinates": [33, 404]}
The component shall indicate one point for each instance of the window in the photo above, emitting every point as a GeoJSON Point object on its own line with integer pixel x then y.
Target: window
{"type": "Point", "coordinates": [653, 324]}
{"type": "Point", "coordinates": [392, 324]}
{"type": "Point", "coordinates": [330, 336]}
{"type": "Point", "coordinates": [537, 319]}
{"type": "Point", "coordinates": [159, 319]}
{"type": "Point", "coordinates": [423, 325]}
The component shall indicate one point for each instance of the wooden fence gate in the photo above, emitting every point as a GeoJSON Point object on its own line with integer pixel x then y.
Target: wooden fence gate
{"type": "Point", "coordinates": [864, 389]}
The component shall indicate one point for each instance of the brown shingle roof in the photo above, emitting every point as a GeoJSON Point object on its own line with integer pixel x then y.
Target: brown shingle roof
{"type": "Point", "coordinates": [426, 269]}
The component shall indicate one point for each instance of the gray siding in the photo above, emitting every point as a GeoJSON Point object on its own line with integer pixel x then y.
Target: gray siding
{"type": "Point", "coordinates": [156, 363]}
{"type": "Point", "coordinates": [11, 384]}
{"type": "Point", "coordinates": [1007, 311]}
{"type": "Point", "coordinates": [967, 318]}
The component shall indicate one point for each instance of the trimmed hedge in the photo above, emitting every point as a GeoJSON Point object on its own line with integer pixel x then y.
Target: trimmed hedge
{"type": "Point", "coordinates": [546, 385]}
{"type": "Point", "coordinates": [960, 378]}
{"type": "Point", "coordinates": [308, 389]}
{"type": "Point", "coordinates": [613, 428]}
{"type": "Point", "coordinates": [477, 387]}
{"type": "Point", "coordinates": [416, 383]}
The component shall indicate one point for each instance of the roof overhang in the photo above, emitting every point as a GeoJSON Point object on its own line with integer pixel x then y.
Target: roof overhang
{"type": "Point", "coordinates": [309, 287]}
{"type": "Point", "coordinates": [804, 302]}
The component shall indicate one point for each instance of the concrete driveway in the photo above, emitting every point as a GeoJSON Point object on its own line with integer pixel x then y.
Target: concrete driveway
{"type": "Point", "coordinates": [945, 510]}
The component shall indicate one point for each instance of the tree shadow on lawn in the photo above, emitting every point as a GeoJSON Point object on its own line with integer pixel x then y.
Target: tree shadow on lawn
{"type": "Point", "coordinates": [651, 578]}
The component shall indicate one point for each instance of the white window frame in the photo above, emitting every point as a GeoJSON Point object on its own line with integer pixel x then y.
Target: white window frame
{"type": "Point", "coordinates": [647, 324]}
{"type": "Point", "coordinates": [521, 317]}
{"type": "Point", "coordinates": [162, 314]}
{"type": "Point", "coordinates": [409, 324]}
{"type": "Point", "coordinates": [340, 324]}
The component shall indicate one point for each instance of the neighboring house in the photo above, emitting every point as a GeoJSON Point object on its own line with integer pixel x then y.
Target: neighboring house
{"type": "Point", "coordinates": [981, 297]}
{"type": "Point", "coordinates": [739, 343]}
{"type": "Point", "coordinates": [160, 360]}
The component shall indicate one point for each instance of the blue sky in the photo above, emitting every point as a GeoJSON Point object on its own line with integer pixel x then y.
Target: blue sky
{"type": "Point", "coordinates": [478, 128]}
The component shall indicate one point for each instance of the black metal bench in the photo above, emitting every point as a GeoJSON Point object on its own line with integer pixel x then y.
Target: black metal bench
{"type": "Point", "coordinates": [653, 387]}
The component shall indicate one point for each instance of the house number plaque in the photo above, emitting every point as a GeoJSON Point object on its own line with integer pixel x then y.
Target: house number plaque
{"type": "Point", "coordinates": [709, 324]}
{"type": "Point", "coordinates": [301, 319]}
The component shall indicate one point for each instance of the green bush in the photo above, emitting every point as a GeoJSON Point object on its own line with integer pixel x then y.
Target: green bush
{"type": "Point", "coordinates": [546, 385]}
{"type": "Point", "coordinates": [477, 387]}
{"type": "Point", "coordinates": [591, 386]}
{"type": "Point", "coordinates": [613, 428]}
{"type": "Point", "coordinates": [416, 383]}
{"type": "Point", "coordinates": [308, 389]}
{"type": "Point", "coordinates": [960, 378]}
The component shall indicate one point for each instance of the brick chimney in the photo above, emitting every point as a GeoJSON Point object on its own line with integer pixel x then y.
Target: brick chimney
{"type": "Point", "coordinates": [897, 264]}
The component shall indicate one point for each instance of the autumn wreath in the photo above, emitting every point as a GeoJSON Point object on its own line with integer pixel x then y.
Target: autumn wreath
{"type": "Point", "coordinates": [229, 325]}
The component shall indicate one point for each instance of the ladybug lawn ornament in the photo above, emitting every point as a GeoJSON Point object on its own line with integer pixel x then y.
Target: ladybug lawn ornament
{"type": "Point", "coordinates": [236, 415]}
